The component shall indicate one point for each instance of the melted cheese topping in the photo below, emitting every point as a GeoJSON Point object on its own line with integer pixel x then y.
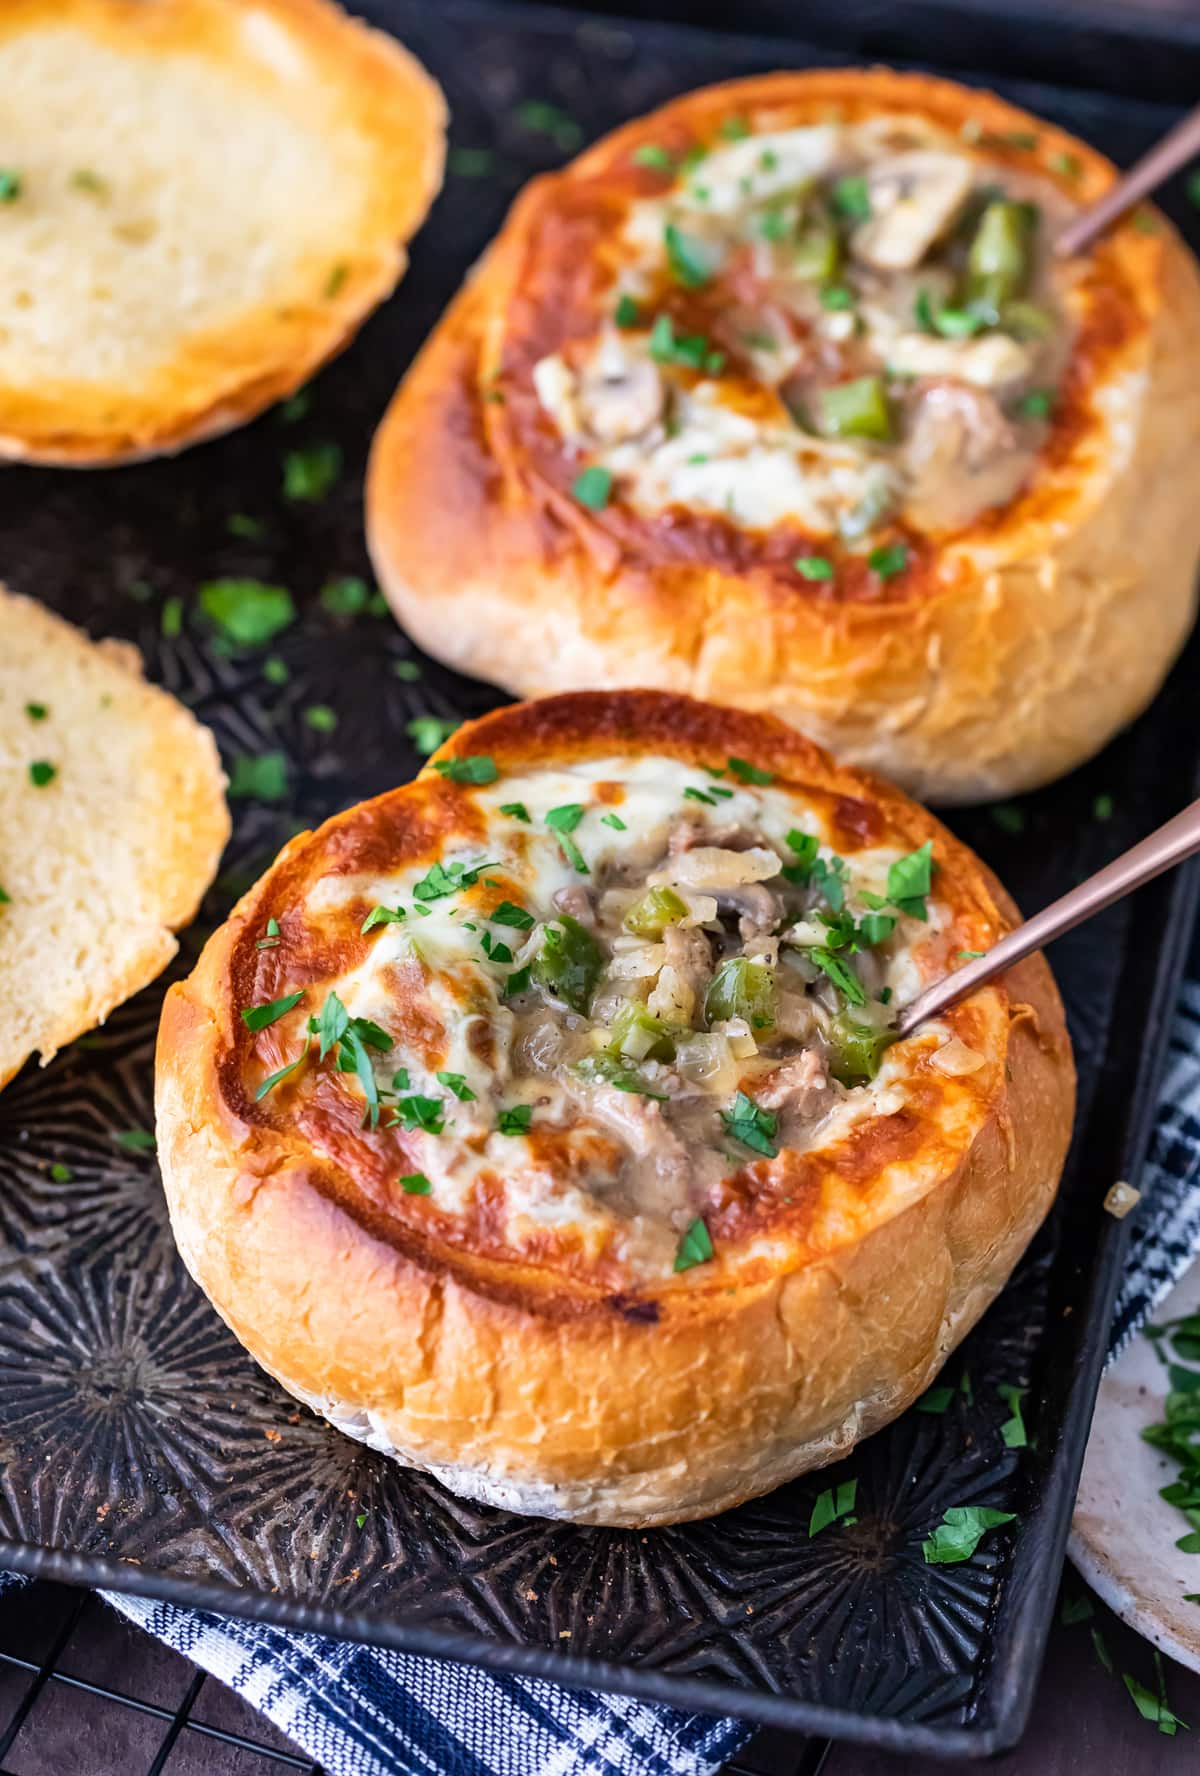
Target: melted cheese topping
{"type": "Point", "coordinates": [727, 241]}
{"type": "Point", "coordinates": [621, 1139]}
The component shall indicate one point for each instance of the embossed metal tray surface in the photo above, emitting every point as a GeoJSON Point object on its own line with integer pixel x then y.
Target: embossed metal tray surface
{"type": "Point", "coordinates": [139, 1446]}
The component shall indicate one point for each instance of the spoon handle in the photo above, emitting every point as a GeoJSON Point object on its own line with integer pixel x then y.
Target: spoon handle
{"type": "Point", "coordinates": [1179, 145]}
{"type": "Point", "coordinates": [1171, 844]}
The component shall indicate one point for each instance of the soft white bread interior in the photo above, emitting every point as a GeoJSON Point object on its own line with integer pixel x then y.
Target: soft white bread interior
{"type": "Point", "coordinates": [112, 821]}
{"type": "Point", "coordinates": [200, 202]}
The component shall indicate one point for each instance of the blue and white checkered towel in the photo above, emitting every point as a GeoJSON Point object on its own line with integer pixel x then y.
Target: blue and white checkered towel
{"type": "Point", "coordinates": [361, 1711]}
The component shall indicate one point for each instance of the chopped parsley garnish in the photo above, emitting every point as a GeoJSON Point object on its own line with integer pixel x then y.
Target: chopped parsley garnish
{"type": "Point", "coordinates": [627, 314]}
{"type": "Point", "coordinates": [5, 897]}
{"type": "Point", "coordinates": [477, 768]}
{"type": "Point", "coordinates": [400, 1080]}
{"type": "Point", "coordinates": [888, 560]}
{"type": "Point", "coordinates": [935, 1400]}
{"type": "Point", "coordinates": [493, 949]}
{"type": "Point", "coordinates": [690, 349]}
{"type": "Point", "coordinates": [1103, 807]}
{"type": "Point", "coordinates": [650, 154]}
{"type": "Point", "coordinates": [837, 298]}
{"type": "Point", "coordinates": [407, 670]}
{"type": "Point", "coordinates": [699, 795]}
{"type": "Point", "coordinates": [257, 1017]}
{"type": "Point", "coordinates": [10, 185]}
{"type": "Point", "coordinates": [735, 127]}
{"type": "Point", "coordinates": [37, 712]}
{"type": "Point", "coordinates": [347, 595]}
{"type": "Point", "coordinates": [813, 567]}
{"type": "Point", "coordinates": [456, 1083]}
{"type": "Point", "coordinates": [351, 1037]}
{"type": "Point", "coordinates": [60, 1173]}
{"type": "Point", "coordinates": [745, 772]}
{"type": "Point", "coordinates": [695, 1247]}
{"type": "Point", "coordinates": [42, 772]}
{"type": "Point", "coordinates": [689, 258]}
{"type": "Point", "coordinates": [296, 406]}
{"type": "Point", "coordinates": [247, 611]}
{"type": "Point", "coordinates": [562, 822]}
{"type": "Point", "coordinates": [592, 487]}
{"type": "Point", "coordinates": [829, 877]}
{"type": "Point", "coordinates": [270, 939]}
{"type": "Point", "coordinates": [615, 821]}
{"type": "Point", "coordinates": [508, 914]}
{"type": "Point", "coordinates": [275, 671]}
{"type": "Point", "coordinates": [1153, 1707]}
{"type": "Point", "coordinates": [381, 915]}
{"type": "Point", "coordinates": [1012, 1431]}
{"type": "Point", "coordinates": [136, 1140]}
{"type": "Point", "coordinates": [851, 198]}
{"type": "Point", "coordinates": [309, 474]}
{"type": "Point", "coordinates": [515, 811]}
{"type": "Point", "coordinates": [240, 524]}
{"type": "Point", "coordinates": [420, 1112]}
{"type": "Point", "coordinates": [442, 879]}
{"type": "Point", "coordinates": [544, 119]}
{"type": "Point", "coordinates": [428, 732]}
{"type": "Point", "coordinates": [1008, 817]}
{"type": "Point", "coordinates": [750, 1124]}
{"type": "Point", "coordinates": [470, 163]}
{"type": "Point", "coordinates": [171, 620]}
{"type": "Point", "coordinates": [909, 880]}
{"type": "Point", "coordinates": [968, 955]}
{"type": "Point", "coordinates": [515, 1120]}
{"type": "Point", "coordinates": [833, 1503]}
{"type": "Point", "coordinates": [518, 981]}
{"type": "Point", "coordinates": [960, 1532]}
{"type": "Point", "coordinates": [412, 1184]}
{"type": "Point", "coordinates": [260, 779]}
{"type": "Point", "coordinates": [321, 718]}
{"type": "Point", "coordinates": [1076, 1609]}
{"type": "Point", "coordinates": [839, 972]}
{"type": "Point", "coordinates": [803, 847]}
{"type": "Point", "coordinates": [1036, 404]}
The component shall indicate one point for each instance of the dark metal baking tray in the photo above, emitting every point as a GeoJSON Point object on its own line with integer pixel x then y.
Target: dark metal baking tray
{"type": "Point", "coordinates": [140, 1448]}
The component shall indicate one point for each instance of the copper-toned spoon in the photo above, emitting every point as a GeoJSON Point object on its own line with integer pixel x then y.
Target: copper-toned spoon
{"type": "Point", "coordinates": [1178, 146]}
{"type": "Point", "coordinates": [1171, 844]}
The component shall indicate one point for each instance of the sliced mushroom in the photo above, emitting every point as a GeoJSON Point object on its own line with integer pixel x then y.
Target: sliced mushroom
{"type": "Point", "coordinates": [963, 457]}
{"type": "Point", "coordinates": [915, 199]}
{"type": "Point", "coordinates": [714, 869]}
{"type": "Point", "coordinates": [621, 394]}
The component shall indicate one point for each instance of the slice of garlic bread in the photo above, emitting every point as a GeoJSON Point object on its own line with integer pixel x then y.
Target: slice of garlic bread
{"type": "Point", "coordinates": [200, 202]}
{"type": "Point", "coordinates": [112, 821]}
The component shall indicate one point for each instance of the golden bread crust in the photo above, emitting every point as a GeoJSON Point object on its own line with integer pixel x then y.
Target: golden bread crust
{"type": "Point", "coordinates": [1012, 651]}
{"type": "Point", "coordinates": [543, 1379]}
{"type": "Point", "coordinates": [303, 62]}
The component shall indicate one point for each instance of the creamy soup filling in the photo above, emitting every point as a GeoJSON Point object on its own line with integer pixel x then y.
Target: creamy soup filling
{"type": "Point", "coordinates": [646, 978]}
{"type": "Point", "coordinates": [838, 327]}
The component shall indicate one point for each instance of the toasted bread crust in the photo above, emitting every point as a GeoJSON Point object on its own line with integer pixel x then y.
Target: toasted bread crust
{"type": "Point", "coordinates": [303, 59]}
{"type": "Point", "coordinates": [109, 899]}
{"type": "Point", "coordinates": [535, 1386]}
{"type": "Point", "coordinates": [1022, 643]}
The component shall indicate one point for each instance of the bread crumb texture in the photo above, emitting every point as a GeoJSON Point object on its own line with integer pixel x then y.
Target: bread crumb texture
{"type": "Point", "coordinates": [204, 199]}
{"type": "Point", "coordinates": [112, 821]}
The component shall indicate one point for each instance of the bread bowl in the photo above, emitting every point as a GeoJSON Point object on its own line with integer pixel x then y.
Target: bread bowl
{"type": "Point", "coordinates": [112, 823]}
{"type": "Point", "coordinates": [624, 1211]}
{"type": "Point", "coordinates": [778, 396]}
{"type": "Point", "coordinates": [200, 202]}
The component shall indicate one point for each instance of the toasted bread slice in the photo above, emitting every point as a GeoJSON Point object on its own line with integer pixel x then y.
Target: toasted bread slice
{"type": "Point", "coordinates": [200, 202]}
{"type": "Point", "coordinates": [112, 821]}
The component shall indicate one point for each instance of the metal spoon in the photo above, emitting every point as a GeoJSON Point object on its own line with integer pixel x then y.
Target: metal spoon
{"type": "Point", "coordinates": [1171, 844]}
{"type": "Point", "coordinates": [1178, 146]}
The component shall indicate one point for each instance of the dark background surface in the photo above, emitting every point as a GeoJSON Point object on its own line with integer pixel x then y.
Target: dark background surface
{"type": "Point", "coordinates": [94, 545]}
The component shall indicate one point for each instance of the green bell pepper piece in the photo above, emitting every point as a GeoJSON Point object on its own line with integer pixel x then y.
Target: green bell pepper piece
{"type": "Point", "coordinates": [998, 262]}
{"type": "Point", "coordinates": [857, 409]}
{"type": "Point", "coordinates": [657, 908]}
{"type": "Point", "coordinates": [856, 1049]}
{"type": "Point", "coordinates": [637, 1035]}
{"type": "Point", "coordinates": [569, 963]}
{"type": "Point", "coordinates": [742, 989]}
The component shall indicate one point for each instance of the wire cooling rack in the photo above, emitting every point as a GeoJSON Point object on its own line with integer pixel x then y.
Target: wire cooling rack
{"type": "Point", "coordinates": [83, 1693]}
